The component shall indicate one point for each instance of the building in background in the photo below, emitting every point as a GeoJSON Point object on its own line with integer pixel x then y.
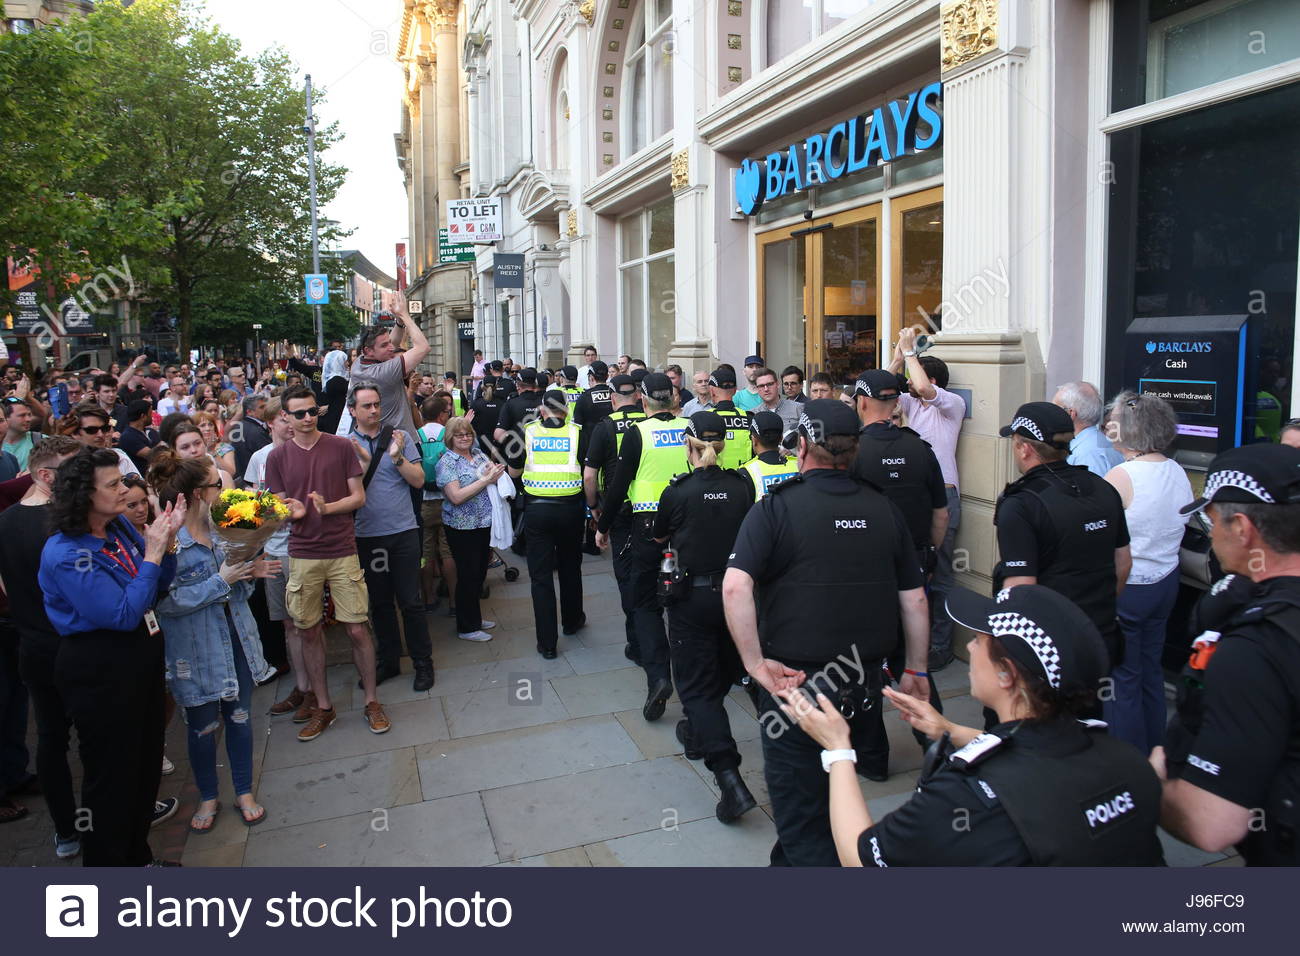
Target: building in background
{"type": "Point", "coordinates": [433, 154]}
{"type": "Point", "coordinates": [371, 291]}
{"type": "Point", "coordinates": [24, 16]}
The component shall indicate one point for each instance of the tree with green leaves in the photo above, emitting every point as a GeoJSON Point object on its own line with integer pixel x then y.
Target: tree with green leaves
{"type": "Point", "coordinates": [194, 145]}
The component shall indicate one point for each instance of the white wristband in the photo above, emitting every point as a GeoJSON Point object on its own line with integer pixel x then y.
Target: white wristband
{"type": "Point", "coordinates": [909, 352]}
{"type": "Point", "coordinates": [832, 756]}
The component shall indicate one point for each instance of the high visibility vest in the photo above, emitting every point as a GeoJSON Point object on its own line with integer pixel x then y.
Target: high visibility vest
{"type": "Point", "coordinates": [738, 448]}
{"type": "Point", "coordinates": [663, 456]}
{"type": "Point", "coordinates": [766, 477]}
{"type": "Point", "coordinates": [571, 393]}
{"type": "Point", "coordinates": [623, 419]}
{"type": "Point", "coordinates": [551, 467]}
{"type": "Point", "coordinates": [457, 402]}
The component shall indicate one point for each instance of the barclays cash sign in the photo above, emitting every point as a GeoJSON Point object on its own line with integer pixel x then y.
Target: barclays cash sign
{"type": "Point", "coordinates": [849, 147]}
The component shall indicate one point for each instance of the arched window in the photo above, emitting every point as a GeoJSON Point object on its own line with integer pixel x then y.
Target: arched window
{"type": "Point", "coordinates": [648, 75]}
{"type": "Point", "coordinates": [791, 24]}
{"type": "Point", "coordinates": [560, 117]}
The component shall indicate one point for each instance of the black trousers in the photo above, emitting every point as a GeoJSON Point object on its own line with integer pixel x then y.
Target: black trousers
{"type": "Point", "coordinates": [36, 656]}
{"type": "Point", "coordinates": [705, 665]}
{"type": "Point", "coordinates": [113, 683]}
{"type": "Point", "coordinates": [870, 739]}
{"type": "Point", "coordinates": [651, 637]}
{"type": "Point", "coordinates": [554, 547]}
{"type": "Point", "coordinates": [391, 563]}
{"type": "Point", "coordinates": [471, 551]}
{"type": "Point", "coordinates": [620, 541]}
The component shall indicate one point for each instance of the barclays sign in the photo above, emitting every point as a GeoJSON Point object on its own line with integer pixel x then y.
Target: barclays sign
{"type": "Point", "coordinates": [872, 139]}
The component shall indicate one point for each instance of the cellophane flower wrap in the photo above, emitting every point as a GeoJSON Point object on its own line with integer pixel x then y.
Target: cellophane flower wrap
{"type": "Point", "coordinates": [245, 521]}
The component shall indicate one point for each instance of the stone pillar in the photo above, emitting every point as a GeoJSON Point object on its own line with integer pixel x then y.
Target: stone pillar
{"type": "Point", "coordinates": [448, 102]}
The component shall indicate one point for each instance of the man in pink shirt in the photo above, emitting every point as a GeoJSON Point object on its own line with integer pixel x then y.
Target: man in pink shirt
{"type": "Point", "coordinates": [477, 372]}
{"type": "Point", "coordinates": [936, 415]}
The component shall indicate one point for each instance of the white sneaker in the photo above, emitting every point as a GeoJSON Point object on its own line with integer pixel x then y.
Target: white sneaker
{"type": "Point", "coordinates": [479, 636]}
{"type": "Point", "coordinates": [65, 848]}
{"type": "Point", "coordinates": [167, 766]}
{"type": "Point", "coordinates": [487, 625]}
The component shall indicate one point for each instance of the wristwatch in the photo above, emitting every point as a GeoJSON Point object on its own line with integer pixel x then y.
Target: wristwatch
{"type": "Point", "coordinates": [909, 352]}
{"type": "Point", "coordinates": [832, 756]}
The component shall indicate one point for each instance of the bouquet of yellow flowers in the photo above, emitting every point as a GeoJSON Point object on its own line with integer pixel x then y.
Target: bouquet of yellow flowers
{"type": "Point", "coordinates": [245, 521]}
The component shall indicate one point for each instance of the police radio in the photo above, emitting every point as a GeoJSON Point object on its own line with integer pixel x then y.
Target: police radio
{"type": "Point", "coordinates": [672, 580]}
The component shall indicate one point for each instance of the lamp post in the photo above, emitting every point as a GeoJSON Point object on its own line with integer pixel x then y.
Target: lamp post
{"type": "Point", "coordinates": [257, 348]}
{"type": "Point", "coordinates": [309, 127]}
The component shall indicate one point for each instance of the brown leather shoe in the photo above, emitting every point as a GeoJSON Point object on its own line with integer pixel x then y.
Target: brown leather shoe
{"type": "Point", "coordinates": [306, 708]}
{"type": "Point", "coordinates": [377, 719]}
{"type": "Point", "coordinates": [320, 720]}
{"type": "Point", "coordinates": [290, 703]}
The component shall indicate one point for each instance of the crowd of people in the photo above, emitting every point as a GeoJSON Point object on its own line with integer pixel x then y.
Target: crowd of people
{"type": "Point", "coordinates": [794, 537]}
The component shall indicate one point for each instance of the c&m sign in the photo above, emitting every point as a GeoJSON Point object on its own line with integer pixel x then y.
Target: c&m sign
{"type": "Point", "coordinates": [867, 140]}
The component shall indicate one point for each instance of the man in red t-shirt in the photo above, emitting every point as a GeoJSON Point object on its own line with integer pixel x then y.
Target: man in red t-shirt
{"type": "Point", "coordinates": [321, 480]}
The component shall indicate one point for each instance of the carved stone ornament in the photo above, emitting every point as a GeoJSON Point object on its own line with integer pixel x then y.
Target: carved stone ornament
{"type": "Point", "coordinates": [441, 13]}
{"type": "Point", "coordinates": [572, 224]}
{"type": "Point", "coordinates": [587, 10]}
{"type": "Point", "coordinates": [970, 29]}
{"type": "Point", "coordinates": [681, 177]}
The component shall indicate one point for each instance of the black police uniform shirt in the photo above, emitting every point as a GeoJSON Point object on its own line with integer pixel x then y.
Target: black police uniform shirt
{"type": "Point", "coordinates": [957, 818]}
{"type": "Point", "coordinates": [901, 464]}
{"type": "Point", "coordinates": [1061, 524]}
{"type": "Point", "coordinates": [629, 460]}
{"type": "Point", "coordinates": [701, 512]}
{"type": "Point", "coordinates": [779, 551]}
{"type": "Point", "coordinates": [515, 413]}
{"type": "Point", "coordinates": [591, 408]}
{"type": "Point", "coordinates": [486, 414]}
{"type": "Point", "coordinates": [1247, 748]}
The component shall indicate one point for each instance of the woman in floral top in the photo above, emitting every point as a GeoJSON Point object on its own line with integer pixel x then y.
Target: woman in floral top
{"type": "Point", "coordinates": [464, 475]}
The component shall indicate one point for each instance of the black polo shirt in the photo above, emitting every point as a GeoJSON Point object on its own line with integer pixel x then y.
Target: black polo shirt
{"type": "Point", "coordinates": [591, 408]}
{"type": "Point", "coordinates": [516, 412]}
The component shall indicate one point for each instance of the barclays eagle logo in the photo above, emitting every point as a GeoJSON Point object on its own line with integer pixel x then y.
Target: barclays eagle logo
{"type": "Point", "coordinates": [1151, 347]}
{"type": "Point", "coordinates": [749, 187]}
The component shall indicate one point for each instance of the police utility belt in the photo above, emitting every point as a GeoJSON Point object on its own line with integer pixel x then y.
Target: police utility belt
{"type": "Point", "coordinates": [673, 586]}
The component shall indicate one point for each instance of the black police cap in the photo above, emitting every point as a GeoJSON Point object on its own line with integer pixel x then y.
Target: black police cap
{"type": "Point", "coordinates": [707, 426]}
{"type": "Point", "coordinates": [1040, 421]}
{"type": "Point", "coordinates": [1259, 474]}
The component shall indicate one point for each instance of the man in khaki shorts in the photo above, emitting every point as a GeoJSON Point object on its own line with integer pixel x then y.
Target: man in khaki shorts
{"type": "Point", "coordinates": [321, 479]}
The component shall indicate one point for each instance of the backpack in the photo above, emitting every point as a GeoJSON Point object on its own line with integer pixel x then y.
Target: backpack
{"type": "Point", "coordinates": [431, 450]}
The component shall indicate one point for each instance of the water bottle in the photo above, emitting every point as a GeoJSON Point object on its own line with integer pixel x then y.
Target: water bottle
{"type": "Point", "coordinates": [669, 564]}
{"type": "Point", "coordinates": [672, 581]}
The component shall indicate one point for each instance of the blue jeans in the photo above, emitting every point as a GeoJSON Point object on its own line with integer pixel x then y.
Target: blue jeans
{"type": "Point", "coordinates": [941, 582]}
{"type": "Point", "coordinates": [203, 722]}
{"type": "Point", "coordinates": [1137, 711]}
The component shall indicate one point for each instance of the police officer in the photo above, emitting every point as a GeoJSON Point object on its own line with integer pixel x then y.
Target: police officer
{"type": "Point", "coordinates": [589, 410]}
{"type": "Point", "coordinates": [516, 412]}
{"type": "Point", "coordinates": [899, 463]}
{"type": "Point", "coordinates": [486, 408]}
{"type": "Point", "coordinates": [722, 386]}
{"type": "Point", "coordinates": [567, 383]}
{"type": "Point", "coordinates": [700, 512]}
{"type": "Point", "coordinates": [769, 466]}
{"type": "Point", "coordinates": [1231, 760]}
{"type": "Point", "coordinates": [598, 473]}
{"type": "Point", "coordinates": [554, 512]}
{"type": "Point", "coordinates": [1060, 525]}
{"type": "Point", "coordinates": [1040, 788]}
{"type": "Point", "coordinates": [829, 562]}
{"type": "Point", "coordinates": [459, 406]}
{"type": "Point", "coordinates": [652, 454]}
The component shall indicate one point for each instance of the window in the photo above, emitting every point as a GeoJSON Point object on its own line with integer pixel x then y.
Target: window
{"type": "Point", "coordinates": [560, 118]}
{"type": "Point", "coordinates": [648, 74]}
{"type": "Point", "coordinates": [1166, 47]}
{"type": "Point", "coordinates": [791, 24]}
{"type": "Point", "coordinates": [648, 291]}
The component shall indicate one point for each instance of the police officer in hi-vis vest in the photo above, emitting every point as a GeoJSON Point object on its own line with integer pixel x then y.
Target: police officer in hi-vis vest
{"type": "Point", "coordinates": [769, 466]}
{"type": "Point", "coordinates": [821, 577]}
{"type": "Point", "coordinates": [459, 406]}
{"type": "Point", "coordinates": [722, 387]}
{"type": "Point", "coordinates": [598, 474]}
{"type": "Point", "coordinates": [554, 512]}
{"type": "Point", "coordinates": [653, 453]}
{"type": "Point", "coordinates": [1039, 788]}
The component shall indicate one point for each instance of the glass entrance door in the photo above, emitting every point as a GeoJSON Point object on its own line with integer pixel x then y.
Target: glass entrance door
{"type": "Point", "coordinates": [819, 302]}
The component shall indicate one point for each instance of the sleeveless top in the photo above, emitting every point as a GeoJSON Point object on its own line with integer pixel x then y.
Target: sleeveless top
{"type": "Point", "coordinates": [1155, 527]}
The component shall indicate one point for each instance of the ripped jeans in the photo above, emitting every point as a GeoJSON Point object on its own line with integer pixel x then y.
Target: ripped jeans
{"type": "Point", "coordinates": [203, 722]}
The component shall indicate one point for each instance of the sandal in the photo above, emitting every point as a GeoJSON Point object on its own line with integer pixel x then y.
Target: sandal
{"type": "Point", "coordinates": [10, 811]}
{"type": "Point", "coordinates": [256, 808]}
{"type": "Point", "coordinates": [209, 818]}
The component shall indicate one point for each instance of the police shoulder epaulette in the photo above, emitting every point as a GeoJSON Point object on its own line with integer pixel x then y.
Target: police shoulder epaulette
{"type": "Point", "coordinates": [678, 479]}
{"type": "Point", "coordinates": [786, 485]}
{"type": "Point", "coordinates": [911, 431]}
{"type": "Point", "coordinates": [975, 751]}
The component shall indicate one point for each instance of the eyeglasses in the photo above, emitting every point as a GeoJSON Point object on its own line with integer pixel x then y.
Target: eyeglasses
{"type": "Point", "coordinates": [96, 429]}
{"type": "Point", "coordinates": [302, 413]}
{"type": "Point", "coordinates": [210, 484]}
{"type": "Point", "coordinates": [766, 384]}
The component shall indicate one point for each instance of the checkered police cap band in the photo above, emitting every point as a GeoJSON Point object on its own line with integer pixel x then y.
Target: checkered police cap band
{"type": "Point", "coordinates": [1236, 479]}
{"type": "Point", "coordinates": [1010, 623]}
{"type": "Point", "coordinates": [1028, 425]}
{"type": "Point", "coordinates": [810, 429]}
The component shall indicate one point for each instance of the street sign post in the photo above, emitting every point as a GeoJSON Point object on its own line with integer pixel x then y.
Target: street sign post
{"type": "Point", "coordinates": [474, 220]}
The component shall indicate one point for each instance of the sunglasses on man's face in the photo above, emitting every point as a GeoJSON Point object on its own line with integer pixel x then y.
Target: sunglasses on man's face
{"type": "Point", "coordinates": [95, 429]}
{"type": "Point", "coordinates": [302, 413]}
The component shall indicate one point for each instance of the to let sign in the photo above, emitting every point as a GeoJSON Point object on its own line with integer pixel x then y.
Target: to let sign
{"type": "Point", "coordinates": [474, 220]}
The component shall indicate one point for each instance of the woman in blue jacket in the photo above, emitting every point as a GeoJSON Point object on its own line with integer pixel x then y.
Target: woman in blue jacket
{"type": "Point", "coordinates": [213, 649]}
{"type": "Point", "coordinates": [100, 579]}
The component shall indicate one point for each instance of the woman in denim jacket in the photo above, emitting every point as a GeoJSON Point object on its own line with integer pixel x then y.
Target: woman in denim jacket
{"type": "Point", "coordinates": [213, 652]}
